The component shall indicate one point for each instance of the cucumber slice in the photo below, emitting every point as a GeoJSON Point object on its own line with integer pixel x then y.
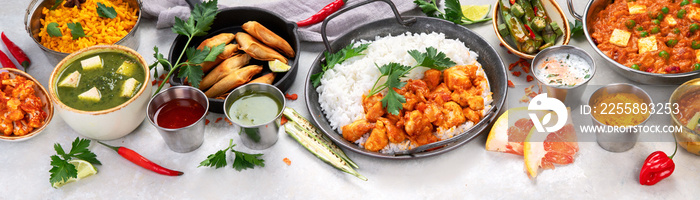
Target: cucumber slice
{"type": "Point", "coordinates": [72, 80]}
{"type": "Point", "coordinates": [129, 87]}
{"type": "Point", "coordinates": [91, 63]}
{"type": "Point", "coordinates": [127, 68]}
{"type": "Point", "coordinates": [91, 95]}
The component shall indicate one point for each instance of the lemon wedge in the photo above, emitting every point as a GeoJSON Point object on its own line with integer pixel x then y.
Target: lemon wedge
{"type": "Point", "coordinates": [278, 66]}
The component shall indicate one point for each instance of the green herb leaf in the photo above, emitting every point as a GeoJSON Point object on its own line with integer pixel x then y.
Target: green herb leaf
{"type": "Point", "coordinates": [56, 4]}
{"type": "Point", "coordinates": [247, 161]}
{"type": "Point", "coordinates": [61, 170]}
{"type": "Point", "coordinates": [76, 30]}
{"type": "Point", "coordinates": [196, 56]}
{"type": "Point", "coordinates": [337, 58]}
{"type": "Point", "coordinates": [576, 29]}
{"type": "Point", "coordinates": [193, 73]}
{"type": "Point", "coordinates": [106, 11]}
{"type": "Point", "coordinates": [182, 27]}
{"type": "Point", "coordinates": [453, 11]}
{"type": "Point", "coordinates": [53, 30]}
{"type": "Point", "coordinates": [432, 59]}
{"type": "Point", "coordinates": [587, 76]}
{"type": "Point", "coordinates": [160, 59]}
{"type": "Point", "coordinates": [218, 159]}
{"type": "Point", "coordinates": [428, 7]}
{"type": "Point", "coordinates": [204, 15]}
{"type": "Point", "coordinates": [213, 53]}
{"type": "Point", "coordinates": [80, 151]}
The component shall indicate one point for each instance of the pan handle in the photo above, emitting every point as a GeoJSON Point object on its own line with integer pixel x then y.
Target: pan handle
{"type": "Point", "coordinates": [572, 11]}
{"type": "Point", "coordinates": [391, 4]}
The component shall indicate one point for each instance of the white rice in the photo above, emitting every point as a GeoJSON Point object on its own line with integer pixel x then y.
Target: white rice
{"type": "Point", "coordinates": [341, 89]}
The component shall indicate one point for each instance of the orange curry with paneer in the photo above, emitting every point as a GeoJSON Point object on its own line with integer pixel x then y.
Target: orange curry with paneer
{"type": "Point", "coordinates": [657, 36]}
{"type": "Point", "coordinates": [439, 101]}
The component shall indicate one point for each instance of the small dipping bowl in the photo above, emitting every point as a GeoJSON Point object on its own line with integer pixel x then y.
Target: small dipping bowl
{"type": "Point", "coordinates": [569, 95]}
{"type": "Point", "coordinates": [185, 139]}
{"type": "Point", "coordinates": [260, 135]}
{"type": "Point", "coordinates": [618, 141]}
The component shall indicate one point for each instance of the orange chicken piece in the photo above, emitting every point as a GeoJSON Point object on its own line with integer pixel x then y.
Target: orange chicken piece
{"type": "Point", "coordinates": [394, 133]}
{"type": "Point", "coordinates": [354, 131]}
{"type": "Point", "coordinates": [453, 115]}
{"type": "Point", "coordinates": [471, 115]}
{"type": "Point", "coordinates": [432, 78]}
{"type": "Point", "coordinates": [373, 107]}
{"type": "Point", "coordinates": [377, 139]}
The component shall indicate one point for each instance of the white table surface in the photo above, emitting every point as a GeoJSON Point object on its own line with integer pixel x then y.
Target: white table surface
{"type": "Point", "coordinates": [466, 172]}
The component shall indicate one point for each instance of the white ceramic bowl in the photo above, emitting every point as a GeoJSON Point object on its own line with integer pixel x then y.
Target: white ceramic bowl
{"type": "Point", "coordinates": [107, 124]}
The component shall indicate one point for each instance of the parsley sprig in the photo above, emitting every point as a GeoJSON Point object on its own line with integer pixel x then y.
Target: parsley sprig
{"type": "Point", "coordinates": [199, 22]}
{"type": "Point", "coordinates": [61, 170]}
{"type": "Point", "coordinates": [576, 28]}
{"type": "Point", "coordinates": [105, 11]}
{"type": "Point", "coordinates": [76, 30]}
{"type": "Point", "coordinates": [392, 101]}
{"type": "Point", "coordinates": [242, 161]}
{"type": "Point", "coordinates": [453, 11]}
{"type": "Point", "coordinates": [337, 58]}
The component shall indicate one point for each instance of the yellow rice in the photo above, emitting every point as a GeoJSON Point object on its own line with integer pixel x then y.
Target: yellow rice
{"type": "Point", "coordinates": [98, 30]}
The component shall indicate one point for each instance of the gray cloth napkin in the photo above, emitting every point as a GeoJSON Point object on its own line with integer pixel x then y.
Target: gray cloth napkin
{"type": "Point", "coordinates": [292, 10]}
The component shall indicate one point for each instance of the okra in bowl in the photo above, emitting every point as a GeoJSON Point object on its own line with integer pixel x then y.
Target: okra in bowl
{"type": "Point", "coordinates": [529, 26]}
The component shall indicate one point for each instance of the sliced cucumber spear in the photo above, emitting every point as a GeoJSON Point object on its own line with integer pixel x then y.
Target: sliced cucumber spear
{"type": "Point", "coordinates": [294, 116]}
{"type": "Point", "coordinates": [319, 147]}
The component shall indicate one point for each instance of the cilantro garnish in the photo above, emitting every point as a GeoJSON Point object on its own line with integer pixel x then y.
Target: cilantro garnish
{"type": "Point", "coordinates": [61, 170]}
{"type": "Point", "coordinates": [337, 58]}
{"type": "Point", "coordinates": [56, 4]}
{"type": "Point", "coordinates": [106, 11]}
{"type": "Point", "coordinates": [576, 29]}
{"type": "Point", "coordinates": [392, 101]}
{"type": "Point", "coordinates": [453, 11]}
{"type": "Point", "coordinates": [53, 30]}
{"type": "Point", "coordinates": [199, 22]}
{"type": "Point", "coordinates": [242, 160]}
{"type": "Point", "coordinates": [76, 30]}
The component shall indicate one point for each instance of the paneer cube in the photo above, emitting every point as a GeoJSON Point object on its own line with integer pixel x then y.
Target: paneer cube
{"type": "Point", "coordinates": [127, 68]}
{"type": "Point", "coordinates": [694, 13]}
{"type": "Point", "coordinates": [129, 87]}
{"type": "Point", "coordinates": [72, 80]}
{"type": "Point", "coordinates": [697, 55]}
{"type": "Point", "coordinates": [91, 95]}
{"type": "Point", "coordinates": [670, 20]}
{"type": "Point", "coordinates": [636, 8]}
{"type": "Point", "coordinates": [647, 44]}
{"type": "Point", "coordinates": [91, 63]}
{"type": "Point", "coordinates": [620, 37]}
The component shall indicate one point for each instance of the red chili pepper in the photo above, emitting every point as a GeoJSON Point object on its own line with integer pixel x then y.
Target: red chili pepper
{"type": "Point", "coordinates": [529, 78]}
{"type": "Point", "coordinates": [291, 96]}
{"type": "Point", "coordinates": [532, 34]}
{"type": "Point", "coordinates": [512, 2]}
{"type": "Point", "coordinates": [323, 13]}
{"type": "Point", "coordinates": [6, 62]}
{"type": "Point", "coordinates": [510, 84]}
{"type": "Point", "coordinates": [19, 55]}
{"type": "Point", "coordinates": [141, 161]}
{"type": "Point", "coordinates": [657, 167]}
{"type": "Point", "coordinates": [516, 73]}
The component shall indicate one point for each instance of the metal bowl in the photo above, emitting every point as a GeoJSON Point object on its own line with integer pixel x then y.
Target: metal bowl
{"type": "Point", "coordinates": [40, 92]}
{"type": "Point", "coordinates": [229, 20]}
{"type": "Point", "coordinates": [489, 59]}
{"type": "Point", "coordinates": [555, 13]}
{"type": "Point", "coordinates": [589, 16]}
{"type": "Point", "coordinates": [686, 138]}
{"type": "Point", "coordinates": [618, 142]}
{"type": "Point", "coordinates": [33, 26]}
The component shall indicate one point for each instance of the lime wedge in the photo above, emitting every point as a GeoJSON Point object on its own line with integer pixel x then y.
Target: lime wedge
{"type": "Point", "coordinates": [84, 168]}
{"type": "Point", "coordinates": [475, 12]}
{"type": "Point", "coordinates": [278, 66]}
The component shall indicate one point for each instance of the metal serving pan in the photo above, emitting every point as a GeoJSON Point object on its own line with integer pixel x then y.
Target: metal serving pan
{"type": "Point", "coordinates": [588, 18]}
{"type": "Point", "coordinates": [489, 59]}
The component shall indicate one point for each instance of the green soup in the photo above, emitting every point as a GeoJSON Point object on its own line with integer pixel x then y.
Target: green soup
{"type": "Point", "coordinates": [254, 108]}
{"type": "Point", "coordinates": [109, 79]}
